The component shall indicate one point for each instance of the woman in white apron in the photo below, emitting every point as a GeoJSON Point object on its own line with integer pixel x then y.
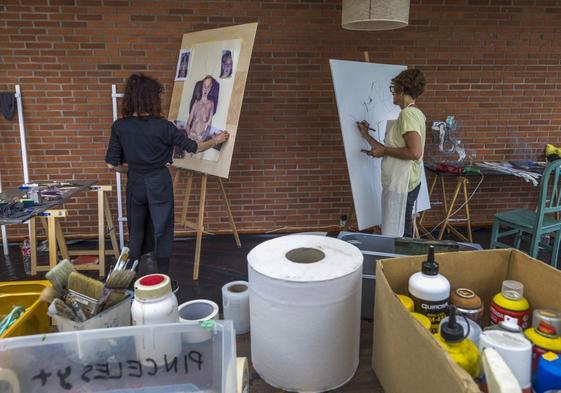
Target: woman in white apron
{"type": "Point", "coordinates": [402, 154]}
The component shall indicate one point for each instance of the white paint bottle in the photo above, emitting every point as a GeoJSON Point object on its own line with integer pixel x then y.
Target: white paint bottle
{"type": "Point", "coordinates": [154, 303]}
{"type": "Point", "coordinates": [430, 291]}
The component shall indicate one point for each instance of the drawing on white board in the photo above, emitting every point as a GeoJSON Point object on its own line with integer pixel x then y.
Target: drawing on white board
{"type": "Point", "coordinates": [373, 102]}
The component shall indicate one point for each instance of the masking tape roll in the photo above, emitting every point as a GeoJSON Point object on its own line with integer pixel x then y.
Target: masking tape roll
{"type": "Point", "coordinates": [193, 312]}
{"type": "Point", "coordinates": [242, 375]}
{"type": "Point", "coordinates": [9, 377]}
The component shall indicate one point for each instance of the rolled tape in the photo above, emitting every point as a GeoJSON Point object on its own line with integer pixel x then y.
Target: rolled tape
{"type": "Point", "coordinates": [10, 378]}
{"type": "Point", "coordinates": [193, 312]}
{"type": "Point", "coordinates": [242, 375]}
{"type": "Point", "coordinates": [235, 301]}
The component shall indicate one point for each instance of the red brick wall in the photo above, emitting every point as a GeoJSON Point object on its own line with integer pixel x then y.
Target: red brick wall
{"type": "Point", "coordinates": [495, 65]}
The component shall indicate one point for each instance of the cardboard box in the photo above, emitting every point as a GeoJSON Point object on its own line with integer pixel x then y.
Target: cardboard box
{"type": "Point", "coordinates": [405, 356]}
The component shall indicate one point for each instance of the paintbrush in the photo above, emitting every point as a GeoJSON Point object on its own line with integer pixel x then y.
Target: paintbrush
{"type": "Point", "coordinates": [86, 291]}
{"type": "Point", "coordinates": [58, 275]}
{"type": "Point", "coordinates": [48, 294]}
{"type": "Point", "coordinates": [58, 307]}
{"type": "Point", "coordinates": [119, 281]}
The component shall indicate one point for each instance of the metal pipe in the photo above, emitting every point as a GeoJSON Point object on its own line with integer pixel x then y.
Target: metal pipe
{"type": "Point", "coordinates": [120, 218]}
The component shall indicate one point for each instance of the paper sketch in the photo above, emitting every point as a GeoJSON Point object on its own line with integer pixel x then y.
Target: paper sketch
{"type": "Point", "coordinates": [183, 65]}
{"type": "Point", "coordinates": [208, 100]}
{"type": "Point", "coordinates": [362, 93]}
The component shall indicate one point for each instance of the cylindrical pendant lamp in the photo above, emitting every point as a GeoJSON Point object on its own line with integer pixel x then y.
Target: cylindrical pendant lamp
{"type": "Point", "coordinates": [373, 15]}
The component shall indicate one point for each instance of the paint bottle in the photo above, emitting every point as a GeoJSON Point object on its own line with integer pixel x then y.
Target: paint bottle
{"type": "Point", "coordinates": [474, 329]}
{"type": "Point", "coordinates": [154, 303]}
{"type": "Point", "coordinates": [430, 291]}
{"type": "Point", "coordinates": [545, 339]}
{"type": "Point", "coordinates": [468, 303]}
{"type": "Point", "coordinates": [510, 301]}
{"type": "Point", "coordinates": [548, 374]}
{"type": "Point", "coordinates": [454, 340]}
{"type": "Point", "coordinates": [515, 350]}
{"type": "Point", "coordinates": [424, 321]}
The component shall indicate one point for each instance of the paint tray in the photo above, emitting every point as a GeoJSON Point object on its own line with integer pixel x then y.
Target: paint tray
{"type": "Point", "coordinates": [150, 359]}
{"type": "Point", "coordinates": [25, 294]}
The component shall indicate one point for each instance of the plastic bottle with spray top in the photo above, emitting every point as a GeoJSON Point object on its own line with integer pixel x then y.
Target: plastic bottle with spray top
{"type": "Point", "coordinates": [430, 291]}
{"type": "Point", "coordinates": [510, 301]}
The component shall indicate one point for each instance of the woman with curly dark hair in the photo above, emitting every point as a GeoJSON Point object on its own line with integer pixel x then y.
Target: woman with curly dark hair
{"type": "Point", "coordinates": [141, 144]}
{"type": "Point", "coordinates": [402, 154]}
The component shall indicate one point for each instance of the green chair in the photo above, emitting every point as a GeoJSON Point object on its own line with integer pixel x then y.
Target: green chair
{"type": "Point", "coordinates": [534, 224]}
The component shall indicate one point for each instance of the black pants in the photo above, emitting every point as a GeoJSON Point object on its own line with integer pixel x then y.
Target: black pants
{"type": "Point", "coordinates": [411, 198]}
{"type": "Point", "coordinates": [150, 215]}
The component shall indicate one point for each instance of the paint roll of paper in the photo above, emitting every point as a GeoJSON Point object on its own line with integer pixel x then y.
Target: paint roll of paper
{"type": "Point", "coordinates": [194, 312]}
{"type": "Point", "coordinates": [304, 295]}
{"type": "Point", "coordinates": [242, 375]}
{"type": "Point", "coordinates": [9, 381]}
{"type": "Point", "coordinates": [235, 299]}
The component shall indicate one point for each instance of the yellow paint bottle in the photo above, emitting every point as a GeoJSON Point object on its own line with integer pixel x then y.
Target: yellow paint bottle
{"type": "Point", "coordinates": [407, 302]}
{"type": "Point", "coordinates": [462, 350]}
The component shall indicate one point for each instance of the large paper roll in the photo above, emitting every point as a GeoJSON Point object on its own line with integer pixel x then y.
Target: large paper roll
{"type": "Point", "coordinates": [305, 294]}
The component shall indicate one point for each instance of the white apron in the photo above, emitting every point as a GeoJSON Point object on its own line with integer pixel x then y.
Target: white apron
{"type": "Point", "coordinates": [395, 187]}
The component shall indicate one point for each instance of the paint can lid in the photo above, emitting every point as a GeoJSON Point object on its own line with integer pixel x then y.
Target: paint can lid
{"type": "Point", "coordinates": [152, 286]}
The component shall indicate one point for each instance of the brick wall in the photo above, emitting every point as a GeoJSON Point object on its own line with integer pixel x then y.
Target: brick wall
{"type": "Point", "coordinates": [495, 65]}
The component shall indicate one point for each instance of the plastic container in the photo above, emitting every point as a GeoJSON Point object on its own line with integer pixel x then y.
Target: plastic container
{"type": "Point", "coordinates": [515, 350]}
{"type": "Point", "coordinates": [373, 248]}
{"type": "Point", "coordinates": [117, 315]}
{"type": "Point", "coordinates": [430, 291]}
{"type": "Point", "coordinates": [194, 312]}
{"type": "Point", "coordinates": [154, 303]}
{"type": "Point", "coordinates": [116, 367]}
{"type": "Point", "coordinates": [548, 374]}
{"type": "Point", "coordinates": [25, 294]}
{"type": "Point", "coordinates": [510, 301]}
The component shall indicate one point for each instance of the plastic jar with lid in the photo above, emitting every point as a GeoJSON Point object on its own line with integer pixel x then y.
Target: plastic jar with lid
{"type": "Point", "coordinates": [154, 303]}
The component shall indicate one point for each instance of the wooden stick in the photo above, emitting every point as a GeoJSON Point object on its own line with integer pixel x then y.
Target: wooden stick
{"type": "Point", "coordinates": [61, 241]}
{"type": "Point", "coordinates": [101, 232]}
{"type": "Point", "coordinates": [449, 212]}
{"type": "Point", "coordinates": [51, 235]}
{"type": "Point", "coordinates": [109, 222]}
{"type": "Point", "coordinates": [33, 245]}
{"type": "Point", "coordinates": [187, 198]}
{"type": "Point", "coordinates": [466, 201]}
{"type": "Point", "coordinates": [200, 227]}
{"type": "Point", "coordinates": [230, 216]}
{"type": "Point", "coordinates": [366, 56]}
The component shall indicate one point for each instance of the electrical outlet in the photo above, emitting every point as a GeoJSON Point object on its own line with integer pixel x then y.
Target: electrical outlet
{"type": "Point", "coordinates": [343, 220]}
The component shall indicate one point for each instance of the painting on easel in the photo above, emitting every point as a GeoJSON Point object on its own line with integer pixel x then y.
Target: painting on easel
{"type": "Point", "coordinates": [208, 92]}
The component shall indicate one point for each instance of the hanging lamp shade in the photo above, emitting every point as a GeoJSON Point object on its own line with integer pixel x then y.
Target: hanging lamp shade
{"type": "Point", "coordinates": [373, 15]}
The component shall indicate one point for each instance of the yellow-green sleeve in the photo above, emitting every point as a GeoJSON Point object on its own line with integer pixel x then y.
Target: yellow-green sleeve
{"type": "Point", "coordinates": [407, 122]}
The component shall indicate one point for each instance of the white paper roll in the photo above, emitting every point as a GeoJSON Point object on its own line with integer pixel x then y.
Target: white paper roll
{"type": "Point", "coordinates": [235, 299]}
{"type": "Point", "coordinates": [9, 381]}
{"type": "Point", "coordinates": [193, 312]}
{"type": "Point", "coordinates": [304, 296]}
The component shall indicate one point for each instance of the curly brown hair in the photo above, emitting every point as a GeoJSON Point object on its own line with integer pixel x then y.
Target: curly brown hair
{"type": "Point", "coordinates": [142, 96]}
{"type": "Point", "coordinates": [411, 82]}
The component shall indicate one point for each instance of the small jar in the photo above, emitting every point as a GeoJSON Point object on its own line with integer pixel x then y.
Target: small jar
{"type": "Point", "coordinates": [154, 303]}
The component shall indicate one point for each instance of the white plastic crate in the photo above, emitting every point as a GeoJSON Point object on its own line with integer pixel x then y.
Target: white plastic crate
{"type": "Point", "coordinates": [125, 359]}
{"type": "Point", "coordinates": [116, 316]}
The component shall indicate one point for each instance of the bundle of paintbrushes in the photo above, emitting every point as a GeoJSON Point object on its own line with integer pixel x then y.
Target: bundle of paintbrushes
{"type": "Point", "coordinates": [78, 297]}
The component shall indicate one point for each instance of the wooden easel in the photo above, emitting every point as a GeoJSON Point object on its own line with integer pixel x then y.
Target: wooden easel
{"type": "Point", "coordinates": [199, 226]}
{"type": "Point", "coordinates": [449, 208]}
{"type": "Point", "coordinates": [56, 236]}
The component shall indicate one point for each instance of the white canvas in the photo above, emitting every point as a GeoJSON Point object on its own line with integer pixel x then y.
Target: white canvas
{"type": "Point", "coordinates": [362, 93]}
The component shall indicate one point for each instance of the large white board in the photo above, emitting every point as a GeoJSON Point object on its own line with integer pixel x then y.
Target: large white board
{"type": "Point", "coordinates": [362, 93]}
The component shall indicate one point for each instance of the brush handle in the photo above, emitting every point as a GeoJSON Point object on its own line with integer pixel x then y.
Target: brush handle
{"type": "Point", "coordinates": [134, 265]}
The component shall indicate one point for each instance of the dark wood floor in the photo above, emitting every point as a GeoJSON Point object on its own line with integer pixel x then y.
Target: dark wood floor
{"type": "Point", "coordinates": [223, 262]}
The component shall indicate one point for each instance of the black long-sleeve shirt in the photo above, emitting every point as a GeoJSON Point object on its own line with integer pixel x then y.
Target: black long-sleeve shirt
{"type": "Point", "coordinates": [145, 143]}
